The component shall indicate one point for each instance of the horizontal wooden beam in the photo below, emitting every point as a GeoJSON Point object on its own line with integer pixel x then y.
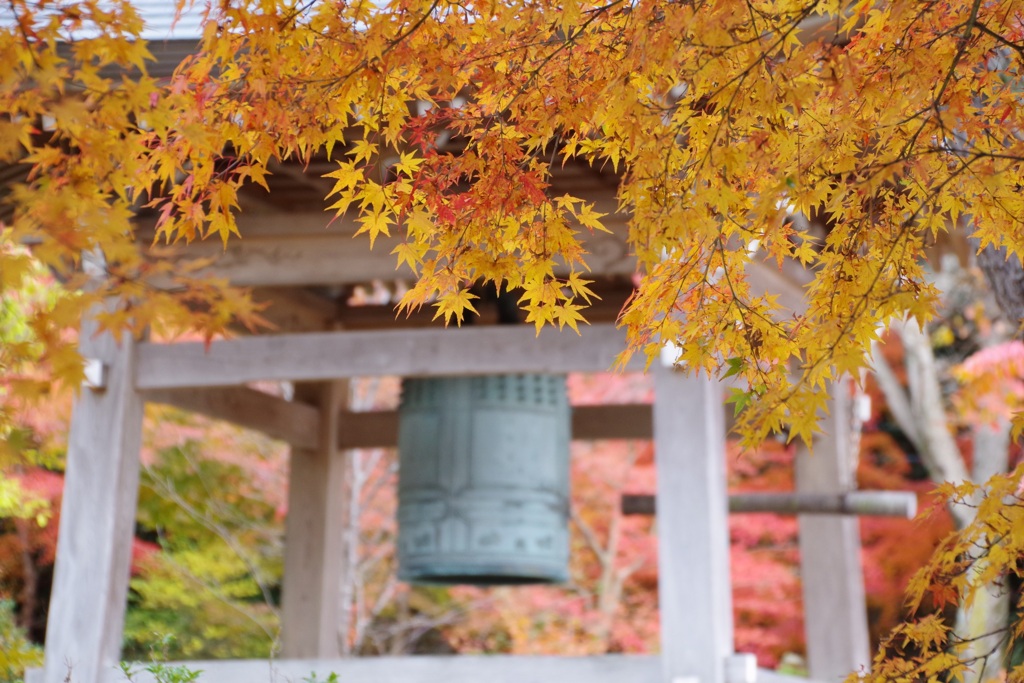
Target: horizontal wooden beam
{"type": "Point", "coordinates": [863, 503]}
{"type": "Point", "coordinates": [309, 248]}
{"type": "Point", "coordinates": [622, 421]}
{"type": "Point", "coordinates": [379, 429]}
{"type": "Point", "coordinates": [451, 669]}
{"type": "Point", "coordinates": [337, 355]}
{"type": "Point", "coordinates": [611, 295]}
{"type": "Point", "coordinates": [290, 421]}
{"type": "Point", "coordinates": [295, 309]}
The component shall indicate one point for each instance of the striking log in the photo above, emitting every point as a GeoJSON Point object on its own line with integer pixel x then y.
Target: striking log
{"type": "Point", "coordinates": [864, 503]}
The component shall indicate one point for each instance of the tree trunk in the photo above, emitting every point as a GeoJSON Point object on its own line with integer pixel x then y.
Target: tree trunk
{"type": "Point", "coordinates": [921, 415]}
{"type": "Point", "coordinates": [982, 624]}
{"type": "Point", "coordinates": [1006, 277]}
{"type": "Point", "coordinates": [30, 577]}
{"type": "Point", "coordinates": [920, 412]}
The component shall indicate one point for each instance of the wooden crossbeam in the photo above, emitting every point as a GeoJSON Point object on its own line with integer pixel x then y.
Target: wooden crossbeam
{"type": "Point", "coordinates": [451, 669]}
{"type": "Point", "coordinates": [338, 355]}
{"type": "Point", "coordinates": [308, 248]}
{"type": "Point", "coordinates": [379, 429]}
{"type": "Point", "coordinates": [296, 423]}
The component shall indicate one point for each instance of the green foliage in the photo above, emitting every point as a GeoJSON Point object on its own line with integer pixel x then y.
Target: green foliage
{"type": "Point", "coordinates": [23, 341]}
{"type": "Point", "coordinates": [162, 673]}
{"type": "Point", "coordinates": [214, 583]}
{"type": "Point", "coordinates": [16, 652]}
{"type": "Point", "coordinates": [16, 502]}
{"type": "Point", "coordinates": [35, 345]}
{"type": "Point", "coordinates": [313, 678]}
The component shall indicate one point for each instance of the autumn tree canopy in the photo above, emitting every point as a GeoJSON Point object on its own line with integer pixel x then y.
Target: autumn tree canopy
{"type": "Point", "coordinates": [842, 135]}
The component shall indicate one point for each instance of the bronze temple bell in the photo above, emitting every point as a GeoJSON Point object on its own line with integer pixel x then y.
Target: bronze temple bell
{"type": "Point", "coordinates": [484, 480]}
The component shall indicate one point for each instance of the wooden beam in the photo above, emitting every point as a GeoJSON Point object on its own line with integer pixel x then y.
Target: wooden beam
{"type": "Point", "coordinates": [333, 256]}
{"type": "Point", "coordinates": [694, 587]}
{"type": "Point", "coordinates": [291, 421]}
{"type": "Point", "coordinates": [622, 421]}
{"type": "Point", "coordinates": [424, 669]}
{"type": "Point", "coordinates": [379, 429]}
{"type": "Point", "coordinates": [97, 521]}
{"type": "Point", "coordinates": [337, 355]}
{"type": "Point", "coordinates": [309, 248]}
{"type": "Point", "coordinates": [451, 669]}
{"type": "Point", "coordinates": [293, 309]}
{"type": "Point", "coordinates": [864, 503]}
{"type": "Point", "coordinates": [770, 676]}
{"type": "Point", "coordinates": [314, 181]}
{"type": "Point", "coordinates": [613, 293]}
{"type": "Point", "coordinates": [417, 669]}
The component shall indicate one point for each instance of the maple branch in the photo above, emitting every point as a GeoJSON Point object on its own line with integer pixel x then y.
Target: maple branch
{"type": "Point", "coordinates": [560, 46]}
{"type": "Point", "coordinates": [23, 32]}
{"type": "Point", "coordinates": [1017, 47]}
{"type": "Point", "coordinates": [937, 99]}
{"type": "Point", "coordinates": [895, 396]}
{"type": "Point", "coordinates": [392, 44]}
{"type": "Point", "coordinates": [861, 302]}
{"type": "Point", "coordinates": [589, 535]}
{"type": "Point", "coordinates": [170, 492]}
{"type": "Point", "coordinates": [216, 591]}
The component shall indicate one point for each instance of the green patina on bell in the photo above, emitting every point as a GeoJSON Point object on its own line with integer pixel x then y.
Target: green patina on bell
{"type": "Point", "coordinates": [484, 480]}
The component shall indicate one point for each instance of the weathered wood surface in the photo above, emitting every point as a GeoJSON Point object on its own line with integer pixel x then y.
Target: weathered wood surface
{"type": "Point", "coordinates": [291, 421]}
{"type": "Point", "coordinates": [337, 355]}
{"type": "Point", "coordinates": [622, 421]}
{"type": "Point", "coordinates": [694, 586]}
{"type": "Point", "coordinates": [308, 248]}
{"type": "Point", "coordinates": [315, 548]}
{"type": "Point", "coordinates": [379, 429]}
{"type": "Point", "coordinates": [297, 423]}
{"type": "Point", "coordinates": [865, 503]}
{"type": "Point", "coordinates": [430, 669]}
{"type": "Point", "coordinates": [835, 613]}
{"type": "Point", "coordinates": [334, 257]}
{"type": "Point", "coordinates": [293, 309]}
{"type": "Point", "coordinates": [101, 483]}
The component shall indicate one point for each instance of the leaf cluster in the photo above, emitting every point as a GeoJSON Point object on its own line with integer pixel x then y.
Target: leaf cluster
{"type": "Point", "coordinates": [16, 652]}
{"type": "Point", "coordinates": [214, 583]}
{"type": "Point", "coordinates": [988, 552]}
{"type": "Point", "coordinates": [726, 125]}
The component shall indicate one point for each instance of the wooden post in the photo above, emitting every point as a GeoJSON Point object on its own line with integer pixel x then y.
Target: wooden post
{"type": "Point", "coordinates": [101, 483]}
{"type": "Point", "coordinates": [835, 615]}
{"type": "Point", "coordinates": [694, 589]}
{"type": "Point", "coordinates": [315, 549]}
